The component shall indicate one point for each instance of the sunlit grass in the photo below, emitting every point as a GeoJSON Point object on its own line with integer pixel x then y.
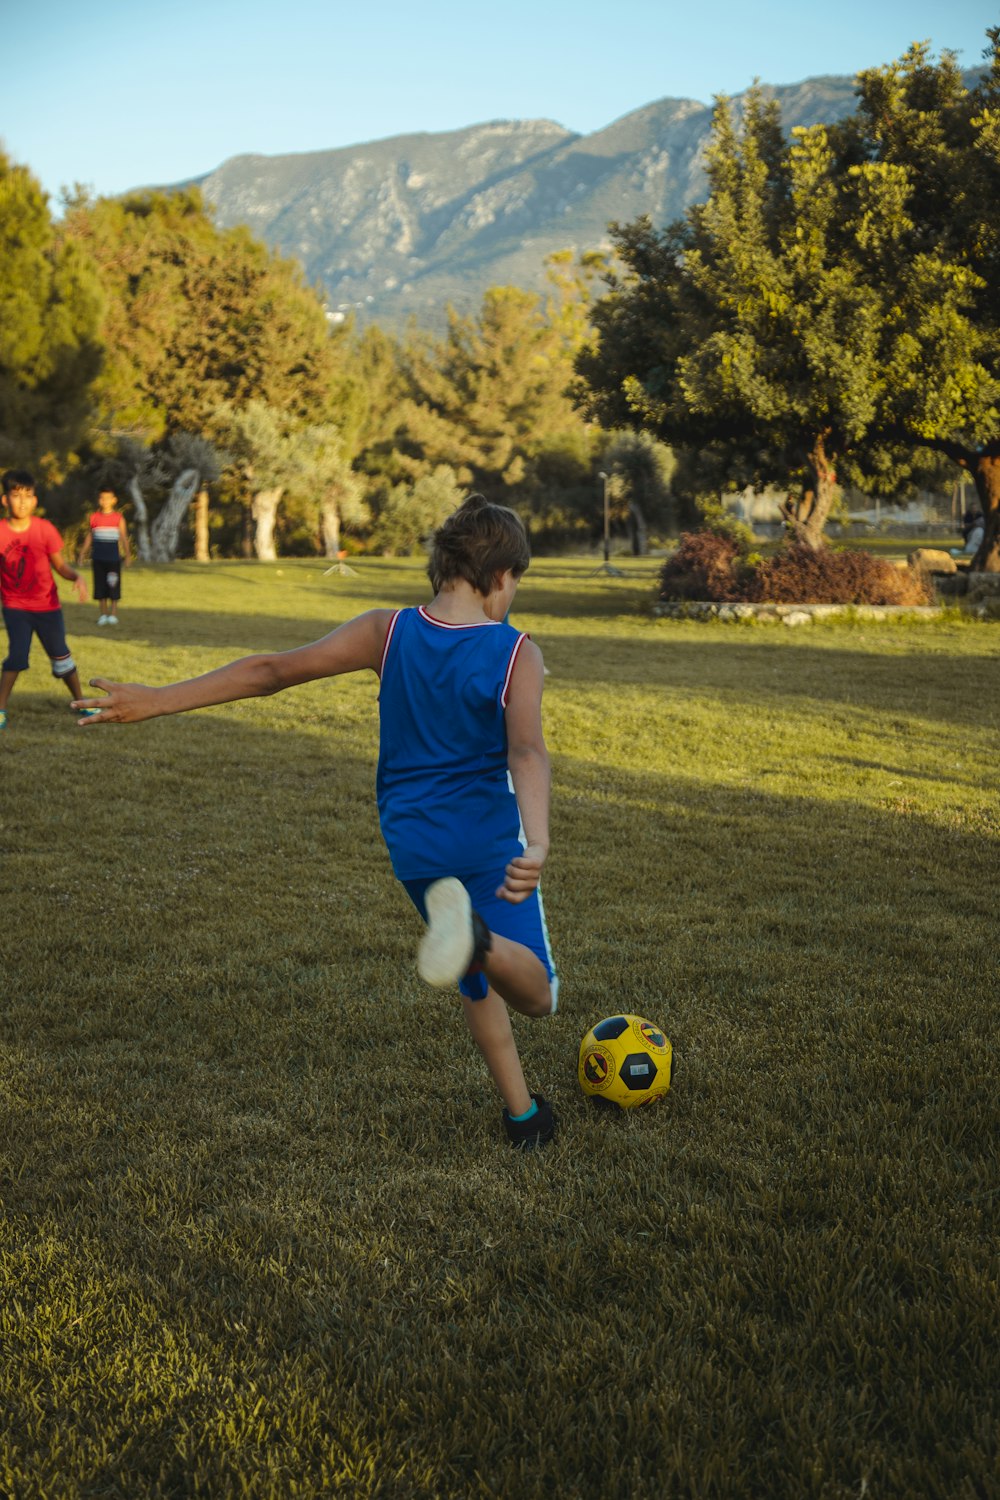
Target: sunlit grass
{"type": "Point", "coordinates": [262, 1234]}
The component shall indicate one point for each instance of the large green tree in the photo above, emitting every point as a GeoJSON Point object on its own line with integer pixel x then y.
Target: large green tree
{"type": "Point", "coordinates": [489, 401]}
{"type": "Point", "coordinates": [747, 327]}
{"type": "Point", "coordinates": [812, 320]}
{"type": "Point", "coordinates": [196, 316]}
{"type": "Point", "coordinates": [920, 126]}
{"type": "Point", "coordinates": [50, 312]}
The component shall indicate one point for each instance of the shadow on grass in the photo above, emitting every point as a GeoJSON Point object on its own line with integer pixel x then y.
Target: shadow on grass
{"type": "Point", "coordinates": [769, 670]}
{"type": "Point", "coordinates": [256, 1190]}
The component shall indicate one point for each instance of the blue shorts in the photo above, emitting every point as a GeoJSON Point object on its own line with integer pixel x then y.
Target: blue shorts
{"type": "Point", "coordinates": [48, 625]}
{"type": "Point", "coordinates": [523, 923]}
{"type": "Point", "coordinates": [107, 579]}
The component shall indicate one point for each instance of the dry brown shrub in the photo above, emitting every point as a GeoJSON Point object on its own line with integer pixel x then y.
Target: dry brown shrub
{"type": "Point", "coordinates": [716, 568]}
{"type": "Point", "coordinates": [705, 566]}
{"type": "Point", "coordinates": [801, 575]}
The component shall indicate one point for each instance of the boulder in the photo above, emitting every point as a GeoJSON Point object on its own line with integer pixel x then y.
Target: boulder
{"type": "Point", "coordinates": [931, 560]}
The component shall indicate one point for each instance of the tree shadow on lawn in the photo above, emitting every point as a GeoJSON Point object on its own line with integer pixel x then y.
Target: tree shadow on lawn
{"type": "Point", "coordinates": [960, 688]}
{"type": "Point", "coordinates": [259, 1130]}
{"type": "Point", "coordinates": [227, 633]}
{"type": "Point", "coordinates": [388, 588]}
{"type": "Point", "coordinates": [660, 891]}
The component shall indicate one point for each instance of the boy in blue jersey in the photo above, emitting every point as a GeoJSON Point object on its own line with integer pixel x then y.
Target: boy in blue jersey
{"type": "Point", "coordinates": [463, 776]}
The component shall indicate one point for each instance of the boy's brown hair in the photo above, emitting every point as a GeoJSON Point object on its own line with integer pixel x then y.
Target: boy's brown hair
{"type": "Point", "coordinates": [478, 541]}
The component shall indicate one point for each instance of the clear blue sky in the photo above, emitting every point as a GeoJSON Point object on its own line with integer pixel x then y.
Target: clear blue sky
{"type": "Point", "coordinates": [120, 93]}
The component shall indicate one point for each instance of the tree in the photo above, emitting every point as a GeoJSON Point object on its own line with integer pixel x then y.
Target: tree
{"type": "Point", "coordinates": [324, 484]}
{"type": "Point", "coordinates": [834, 307]}
{"type": "Point", "coordinates": [50, 311]}
{"type": "Point", "coordinates": [919, 127]}
{"type": "Point", "coordinates": [748, 325]}
{"type": "Point", "coordinates": [412, 511]}
{"type": "Point", "coordinates": [262, 451]}
{"type": "Point", "coordinates": [178, 470]}
{"type": "Point", "coordinates": [196, 316]}
{"type": "Point", "coordinates": [274, 458]}
{"type": "Point", "coordinates": [490, 399]}
{"type": "Point", "coordinates": [192, 464]}
{"type": "Point", "coordinates": [640, 471]}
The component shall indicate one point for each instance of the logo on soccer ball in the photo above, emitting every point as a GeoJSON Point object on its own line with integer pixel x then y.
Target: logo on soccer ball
{"type": "Point", "coordinates": [599, 1068]}
{"type": "Point", "coordinates": [649, 1034]}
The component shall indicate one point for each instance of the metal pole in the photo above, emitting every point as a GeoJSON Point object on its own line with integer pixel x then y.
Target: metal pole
{"type": "Point", "coordinates": [607, 568]}
{"type": "Point", "coordinates": [607, 534]}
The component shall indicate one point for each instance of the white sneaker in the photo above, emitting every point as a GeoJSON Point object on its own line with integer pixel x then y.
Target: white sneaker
{"type": "Point", "coordinates": [447, 946]}
{"type": "Point", "coordinates": [102, 619]}
{"type": "Point", "coordinates": [112, 620]}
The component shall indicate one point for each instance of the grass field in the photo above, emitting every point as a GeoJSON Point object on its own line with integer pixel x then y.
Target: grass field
{"type": "Point", "coordinates": [262, 1235]}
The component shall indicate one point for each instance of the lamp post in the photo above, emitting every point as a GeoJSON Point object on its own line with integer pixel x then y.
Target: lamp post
{"type": "Point", "coordinates": [607, 531]}
{"type": "Point", "coordinates": [606, 566]}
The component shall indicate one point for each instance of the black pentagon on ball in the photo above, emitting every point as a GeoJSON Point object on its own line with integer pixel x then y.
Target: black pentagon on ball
{"type": "Point", "coordinates": [607, 1030]}
{"type": "Point", "coordinates": [638, 1071]}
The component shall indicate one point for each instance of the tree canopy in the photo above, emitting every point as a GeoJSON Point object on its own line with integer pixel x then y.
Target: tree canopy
{"type": "Point", "coordinates": [51, 305]}
{"type": "Point", "coordinates": [196, 316]}
{"type": "Point", "coordinates": [832, 307]}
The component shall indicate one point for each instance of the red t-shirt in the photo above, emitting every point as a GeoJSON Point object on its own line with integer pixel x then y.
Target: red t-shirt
{"type": "Point", "coordinates": [26, 579]}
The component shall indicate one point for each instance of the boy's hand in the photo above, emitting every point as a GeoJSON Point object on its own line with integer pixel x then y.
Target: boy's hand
{"type": "Point", "coordinates": [81, 590]}
{"type": "Point", "coordinates": [523, 874]}
{"type": "Point", "coordinates": [125, 703]}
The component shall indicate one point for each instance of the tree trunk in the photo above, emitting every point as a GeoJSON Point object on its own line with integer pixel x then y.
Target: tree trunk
{"type": "Point", "coordinates": [142, 549]}
{"type": "Point", "coordinates": [201, 550]}
{"type": "Point", "coordinates": [329, 521]}
{"type": "Point", "coordinates": [985, 470]}
{"type": "Point", "coordinates": [805, 518]}
{"type": "Point", "coordinates": [265, 512]}
{"type": "Point", "coordinates": [164, 534]}
{"type": "Point", "coordinates": [639, 530]}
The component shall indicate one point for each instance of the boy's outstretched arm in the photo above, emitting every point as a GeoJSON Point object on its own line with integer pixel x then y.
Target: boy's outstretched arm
{"type": "Point", "coordinates": [350, 648]}
{"type": "Point", "coordinates": [528, 762]}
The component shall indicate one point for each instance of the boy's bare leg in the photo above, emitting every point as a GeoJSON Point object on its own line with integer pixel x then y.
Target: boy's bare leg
{"type": "Point", "coordinates": [72, 681]}
{"type": "Point", "coordinates": [519, 976]}
{"type": "Point", "coordinates": [489, 1022]}
{"type": "Point", "coordinates": [7, 681]}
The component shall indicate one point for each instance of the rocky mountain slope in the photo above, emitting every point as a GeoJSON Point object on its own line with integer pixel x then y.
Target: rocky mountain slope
{"type": "Point", "coordinates": [401, 227]}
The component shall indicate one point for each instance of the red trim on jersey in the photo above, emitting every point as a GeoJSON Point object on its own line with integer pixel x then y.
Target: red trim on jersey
{"type": "Point", "coordinates": [510, 668]}
{"type": "Point", "coordinates": [449, 624]}
{"type": "Point", "coordinates": [388, 638]}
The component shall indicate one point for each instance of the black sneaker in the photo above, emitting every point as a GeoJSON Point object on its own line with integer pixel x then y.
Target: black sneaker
{"type": "Point", "coordinates": [456, 936]}
{"type": "Point", "coordinates": [527, 1135]}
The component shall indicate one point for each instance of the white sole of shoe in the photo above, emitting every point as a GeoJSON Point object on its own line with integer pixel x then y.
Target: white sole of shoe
{"type": "Point", "coordinates": [447, 946]}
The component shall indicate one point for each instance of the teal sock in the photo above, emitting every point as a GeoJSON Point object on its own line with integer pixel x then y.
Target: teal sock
{"type": "Point", "coordinates": [520, 1119]}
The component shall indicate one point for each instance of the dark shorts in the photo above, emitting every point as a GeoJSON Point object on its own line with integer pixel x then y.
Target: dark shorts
{"type": "Point", "coordinates": [107, 580]}
{"type": "Point", "coordinates": [48, 625]}
{"type": "Point", "coordinates": [523, 923]}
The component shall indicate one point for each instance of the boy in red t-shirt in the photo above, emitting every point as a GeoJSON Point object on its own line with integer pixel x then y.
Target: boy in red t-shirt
{"type": "Point", "coordinates": [31, 549]}
{"type": "Point", "coordinates": [107, 545]}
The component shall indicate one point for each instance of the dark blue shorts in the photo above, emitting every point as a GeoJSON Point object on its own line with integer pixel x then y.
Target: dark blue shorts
{"type": "Point", "coordinates": [523, 923]}
{"type": "Point", "coordinates": [48, 625]}
{"type": "Point", "coordinates": [107, 579]}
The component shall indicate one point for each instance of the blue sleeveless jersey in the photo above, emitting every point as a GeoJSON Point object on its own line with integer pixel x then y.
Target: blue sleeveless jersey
{"type": "Point", "coordinates": [445, 800]}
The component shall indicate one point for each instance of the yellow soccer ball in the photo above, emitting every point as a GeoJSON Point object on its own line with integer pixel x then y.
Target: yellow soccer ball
{"type": "Point", "coordinates": [625, 1060]}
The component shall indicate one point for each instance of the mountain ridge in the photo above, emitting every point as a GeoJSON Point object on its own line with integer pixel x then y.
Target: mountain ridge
{"type": "Point", "coordinates": [400, 227]}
